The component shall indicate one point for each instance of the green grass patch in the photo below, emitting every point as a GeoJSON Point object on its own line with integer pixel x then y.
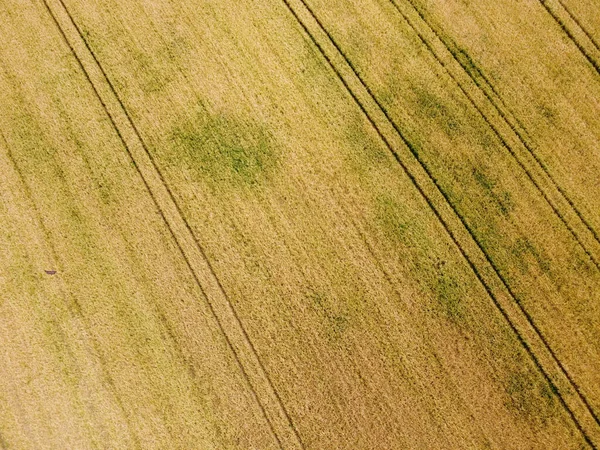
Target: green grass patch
{"type": "Point", "coordinates": [336, 319]}
{"type": "Point", "coordinates": [448, 294]}
{"type": "Point", "coordinates": [390, 216]}
{"type": "Point", "coordinates": [224, 152]}
{"type": "Point", "coordinates": [436, 274]}
{"type": "Point", "coordinates": [433, 107]}
{"type": "Point", "coordinates": [530, 396]}
{"type": "Point", "coordinates": [366, 151]}
{"type": "Point", "coordinates": [522, 249]}
{"type": "Point", "coordinates": [502, 199]}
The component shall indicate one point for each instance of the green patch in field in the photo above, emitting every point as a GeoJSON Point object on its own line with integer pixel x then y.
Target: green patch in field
{"type": "Point", "coordinates": [502, 199]}
{"type": "Point", "coordinates": [436, 274]}
{"type": "Point", "coordinates": [531, 396]}
{"type": "Point", "coordinates": [32, 139]}
{"type": "Point", "coordinates": [390, 216]}
{"type": "Point", "coordinates": [336, 318]}
{"type": "Point", "coordinates": [104, 186]}
{"type": "Point", "coordinates": [224, 152]}
{"type": "Point", "coordinates": [400, 222]}
{"type": "Point", "coordinates": [484, 181]}
{"type": "Point", "coordinates": [449, 294]}
{"type": "Point", "coordinates": [105, 190]}
{"type": "Point", "coordinates": [547, 112]}
{"type": "Point", "coordinates": [581, 263]}
{"type": "Point", "coordinates": [367, 152]}
{"type": "Point", "coordinates": [147, 75]}
{"type": "Point", "coordinates": [59, 349]}
{"type": "Point", "coordinates": [523, 250]}
{"type": "Point", "coordinates": [153, 67]}
{"type": "Point", "coordinates": [433, 107]}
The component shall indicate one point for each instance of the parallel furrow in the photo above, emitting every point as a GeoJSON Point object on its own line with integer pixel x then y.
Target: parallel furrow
{"type": "Point", "coordinates": [235, 334]}
{"type": "Point", "coordinates": [578, 22]}
{"type": "Point", "coordinates": [489, 104]}
{"type": "Point", "coordinates": [573, 29]}
{"type": "Point", "coordinates": [455, 225]}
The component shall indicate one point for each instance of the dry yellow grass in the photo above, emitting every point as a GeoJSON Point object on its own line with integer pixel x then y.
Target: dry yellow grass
{"type": "Point", "coordinates": [117, 349]}
{"type": "Point", "coordinates": [548, 271]}
{"type": "Point", "coordinates": [587, 14]}
{"type": "Point", "coordinates": [543, 78]}
{"type": "Point", "coordinates": [359, 323]}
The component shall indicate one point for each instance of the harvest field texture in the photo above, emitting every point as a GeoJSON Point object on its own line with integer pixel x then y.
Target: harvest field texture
{"type": "Point", "coordinates": [300, 224]}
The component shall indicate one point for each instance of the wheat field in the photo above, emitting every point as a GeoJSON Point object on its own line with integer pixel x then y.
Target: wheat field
{"type": "Point", "coordinates": [299, 224]}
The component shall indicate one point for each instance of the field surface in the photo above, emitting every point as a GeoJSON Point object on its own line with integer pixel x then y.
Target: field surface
{"type": "Point", "coordinates": [299, 224]}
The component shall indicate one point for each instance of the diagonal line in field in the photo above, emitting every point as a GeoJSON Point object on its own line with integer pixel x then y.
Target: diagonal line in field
{"type": "Point", "coordinates": [576, 20]}
{"type": "Point", "coordinates": [272, 407]}
{"type": "Point", "coordinates": [487, 273]}
{"type": "Point", "coordinates": [575, 32]}
{"type": "Point", "coordinates": [499, 109]}
{"type": "Point", "coordinates": [520, 150]}
{"type": "Point", "coordinates": [38, 217]}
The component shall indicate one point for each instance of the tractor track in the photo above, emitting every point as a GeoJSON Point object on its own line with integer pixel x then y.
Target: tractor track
{"type": "Point", "coordinates": [221, 307]}
{"type": "Point", "coordinates": [205, 276]}
{"type": "Point", "coordinates": [576, 20]}
{"type": "Point", "coordinates": [574, 31]}
{"type": "Point", "coordinates": [581, 230]}
{"type": "Point", "coordinates": [380, 118]}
